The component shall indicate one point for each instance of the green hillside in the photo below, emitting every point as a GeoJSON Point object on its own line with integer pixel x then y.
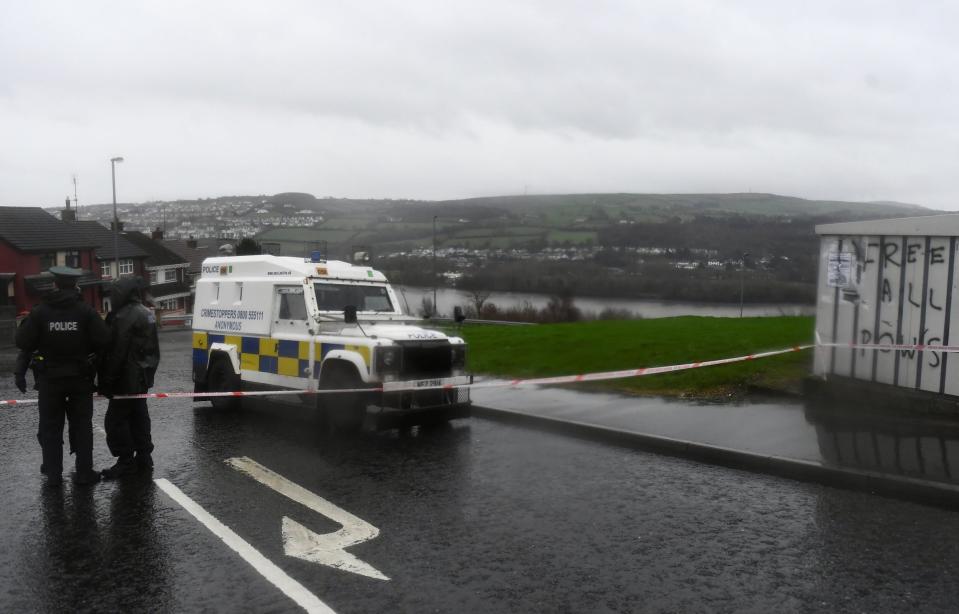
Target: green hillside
{"type": "Point", "coordinates": [566, 207]}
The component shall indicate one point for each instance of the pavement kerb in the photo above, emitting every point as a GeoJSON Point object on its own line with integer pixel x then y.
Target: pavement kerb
{"type": "Point", "coordinates": [899, 487]}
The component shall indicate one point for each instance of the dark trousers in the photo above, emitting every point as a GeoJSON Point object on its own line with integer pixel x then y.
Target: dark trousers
{"type": "Point", "coordinates": [66, 398]}
{"type": "Point", "coordinates": [127, 424]}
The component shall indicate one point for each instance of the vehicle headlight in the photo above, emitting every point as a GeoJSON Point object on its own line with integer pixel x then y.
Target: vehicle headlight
{"type": "Point", "coordinates": [459, 356]}
{"type": "Point", "coordinates": [387, 358]}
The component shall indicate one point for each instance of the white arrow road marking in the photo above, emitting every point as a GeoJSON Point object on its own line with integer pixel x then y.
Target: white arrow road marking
{"type": "Point", "coordinates": [276, 576]}
{"type": "Point", "coordinates": [302, 543]}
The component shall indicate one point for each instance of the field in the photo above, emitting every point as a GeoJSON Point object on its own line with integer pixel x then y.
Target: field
{"type": "Point", "coordinates": [563, 349]}
{"type": "Point", "coordinates": [572, 237]}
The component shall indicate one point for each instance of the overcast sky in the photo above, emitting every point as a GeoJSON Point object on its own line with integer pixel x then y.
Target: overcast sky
{"type": "Point", "coordinates": [442, 99]}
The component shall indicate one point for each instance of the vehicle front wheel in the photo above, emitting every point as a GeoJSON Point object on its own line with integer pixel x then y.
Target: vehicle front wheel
{"type": "Point", "coordinates": [345, 412]}
{"type": "Point", "coordinates": [220, 377]}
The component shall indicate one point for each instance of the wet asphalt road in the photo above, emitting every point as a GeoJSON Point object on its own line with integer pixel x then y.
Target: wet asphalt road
{"type": "Point", "coordinates": [477, 517]}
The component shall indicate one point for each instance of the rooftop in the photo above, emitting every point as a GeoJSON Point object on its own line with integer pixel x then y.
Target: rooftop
{"type": "Point", "coordinates": [31, 229]}
{"type": "Point", "coordinates": [204, 248]}
{"type": "Point", "coordinates": [946, 225]}
{"type": "Point", "coordinates": [103, 237]}
{"type": "Point", "coordinates": [159, 254]}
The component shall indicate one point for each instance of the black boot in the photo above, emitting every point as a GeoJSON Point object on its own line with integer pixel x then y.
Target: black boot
{"type": "Point", "coordinates": [53, 480]}
{"type": "Point", "coordinates": [125, 465]}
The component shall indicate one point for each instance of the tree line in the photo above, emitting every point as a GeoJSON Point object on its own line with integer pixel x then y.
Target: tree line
{"type": "Point", "coordinates": [656, 280]}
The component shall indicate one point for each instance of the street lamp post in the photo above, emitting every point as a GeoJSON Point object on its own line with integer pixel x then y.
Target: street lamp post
{"type": "Point", "coordinates": [434, 266]}
{"type": "Point", "coordinates": [742, 276]}
{"type": "Point", "coordinates": [116, 220]}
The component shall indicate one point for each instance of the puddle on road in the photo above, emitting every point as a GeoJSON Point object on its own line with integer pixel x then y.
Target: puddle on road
{"type": "Point", "coordinates": [904, 445]}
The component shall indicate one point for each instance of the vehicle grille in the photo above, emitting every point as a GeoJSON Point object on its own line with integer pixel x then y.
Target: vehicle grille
{"type": "Point", "coordinates": [426, 359]}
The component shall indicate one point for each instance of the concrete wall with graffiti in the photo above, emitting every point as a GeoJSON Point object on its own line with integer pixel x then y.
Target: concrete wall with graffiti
{"type": "Point", "coordinates": [889, 289]}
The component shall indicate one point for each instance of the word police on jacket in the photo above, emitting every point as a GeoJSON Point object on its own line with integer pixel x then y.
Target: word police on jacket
{"type": "Point", "coordinates": [63, 326]}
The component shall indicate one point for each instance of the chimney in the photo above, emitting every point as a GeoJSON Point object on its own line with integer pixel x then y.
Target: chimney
{"type": "Point", "coordinates": [118, 224]}
{"type": "Point", "coordinates": [191, 243]}
{"type": "Point", "coordinates": [157, 235]}
{"type": "Point", "coordinates": [68, 214]}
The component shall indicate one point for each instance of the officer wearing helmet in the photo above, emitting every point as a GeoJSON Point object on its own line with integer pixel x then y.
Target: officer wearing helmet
{"type": "Point", "coordinates": [127, 368]}
{"type": "Point", "coordinates": [64, 333]}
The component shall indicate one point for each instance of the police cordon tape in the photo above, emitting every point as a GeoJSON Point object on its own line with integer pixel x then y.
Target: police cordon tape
{"type": "Point", "coordinates": [888, 347]}
{"type": "Point", "coordinates": [562, 379]}
{"type": "Point", "coordinates": [405, 387]}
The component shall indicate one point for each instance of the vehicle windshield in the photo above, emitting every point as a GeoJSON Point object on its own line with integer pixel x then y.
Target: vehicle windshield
{"type": "Point", "coordinates": [334, 297]}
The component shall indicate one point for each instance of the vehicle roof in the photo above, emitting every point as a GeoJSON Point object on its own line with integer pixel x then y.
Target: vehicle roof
{"type": "Point", "coordinates": [276, 268]}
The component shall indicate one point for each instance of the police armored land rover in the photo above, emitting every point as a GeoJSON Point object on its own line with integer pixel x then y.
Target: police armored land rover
{"type": "Point", "coordinates": [282, 323]}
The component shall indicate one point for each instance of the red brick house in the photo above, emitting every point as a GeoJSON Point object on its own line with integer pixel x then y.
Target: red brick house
{"type": "Point", "coordinates": [32, 241]}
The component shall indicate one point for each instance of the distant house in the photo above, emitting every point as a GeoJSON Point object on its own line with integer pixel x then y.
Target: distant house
{"type": "Point", "coordinates": [195, 251]}
{"type": "Point", "coordinates": [168, 273]}
{"type": "Point", "coordinates": [32, 241]}
{"type": "Point", "coordinates": [298, 241]}
{"type": "Point", "coordinates": [130, 258]}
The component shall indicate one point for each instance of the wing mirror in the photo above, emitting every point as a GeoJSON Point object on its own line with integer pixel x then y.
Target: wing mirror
{"type": "Point", "coordinates": [349, 314]}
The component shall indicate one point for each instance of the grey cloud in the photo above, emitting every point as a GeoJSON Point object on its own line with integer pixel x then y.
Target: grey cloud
{"type": "Point", "coordinates": [762, 79]}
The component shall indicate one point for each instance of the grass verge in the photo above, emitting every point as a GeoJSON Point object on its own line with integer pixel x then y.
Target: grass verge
{"type": "Point", "coordinates": [565, 349]}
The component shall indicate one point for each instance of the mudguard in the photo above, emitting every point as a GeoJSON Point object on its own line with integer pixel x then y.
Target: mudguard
{"type": "Point", "coordinates": [351, 357]}
{"type": "Point", "coordinates": [229, 350]}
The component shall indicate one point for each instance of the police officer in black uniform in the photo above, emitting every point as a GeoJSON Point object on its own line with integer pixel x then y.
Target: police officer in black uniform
{"type": "Point", "coordinates": [64, 332]}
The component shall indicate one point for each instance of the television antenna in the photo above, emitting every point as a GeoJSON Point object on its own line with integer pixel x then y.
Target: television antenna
{"type": "Point", "coordinates": [76, 204]}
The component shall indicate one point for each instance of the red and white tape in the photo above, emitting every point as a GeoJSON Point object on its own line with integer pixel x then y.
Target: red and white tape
{"type": "Point", "coordinates": [892, 346]}
{"type": "Point", "coordinates": [607, 375]}
{"type": "Point", "coordinates": [562, 379]}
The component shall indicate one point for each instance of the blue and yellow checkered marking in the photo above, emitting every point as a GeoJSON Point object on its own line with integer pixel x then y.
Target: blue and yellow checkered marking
{"type": "Point", "coordinates": [278, 356]}
{"type": "Point", "coordinates": [250, 345]}
{"type": "Point", "coordinates": [200, 353]}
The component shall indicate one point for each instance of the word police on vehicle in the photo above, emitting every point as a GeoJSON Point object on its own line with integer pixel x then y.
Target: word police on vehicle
{"type": "Point", "coordinates": [282, 323]}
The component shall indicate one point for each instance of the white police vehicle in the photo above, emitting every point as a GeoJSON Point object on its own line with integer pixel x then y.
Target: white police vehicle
{"type": "Point", "coordinates": [281, 323]}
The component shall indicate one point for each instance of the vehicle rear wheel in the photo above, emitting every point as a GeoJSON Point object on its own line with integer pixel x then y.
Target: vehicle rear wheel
{"type": "Point", "coordinates": [344, 412]}
{"type": "Point", "coordinates": [220, 377]}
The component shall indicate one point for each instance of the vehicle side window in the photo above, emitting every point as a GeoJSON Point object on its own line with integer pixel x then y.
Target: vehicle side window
{"type": "Point", "coordinates": [290, 304]}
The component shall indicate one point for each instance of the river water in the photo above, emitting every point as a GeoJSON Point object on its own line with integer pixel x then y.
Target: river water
{"type": "Point", "coordinates": [447, 298]}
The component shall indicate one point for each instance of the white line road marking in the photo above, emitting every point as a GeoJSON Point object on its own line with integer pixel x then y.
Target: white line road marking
{"type": "Point", "coordinates": [276, 576]}
{"type": "Point", "coordinates": [302, 543]}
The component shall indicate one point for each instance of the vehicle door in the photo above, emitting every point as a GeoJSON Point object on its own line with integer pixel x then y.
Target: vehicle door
{"type": "Point", "coordinates": [289, 357]}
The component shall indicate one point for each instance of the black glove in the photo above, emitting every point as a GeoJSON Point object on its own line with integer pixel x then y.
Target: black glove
{"type": "Point", "coordinates": [21, 383]}
{"type": "Point", "coordinates": [105, 392]}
